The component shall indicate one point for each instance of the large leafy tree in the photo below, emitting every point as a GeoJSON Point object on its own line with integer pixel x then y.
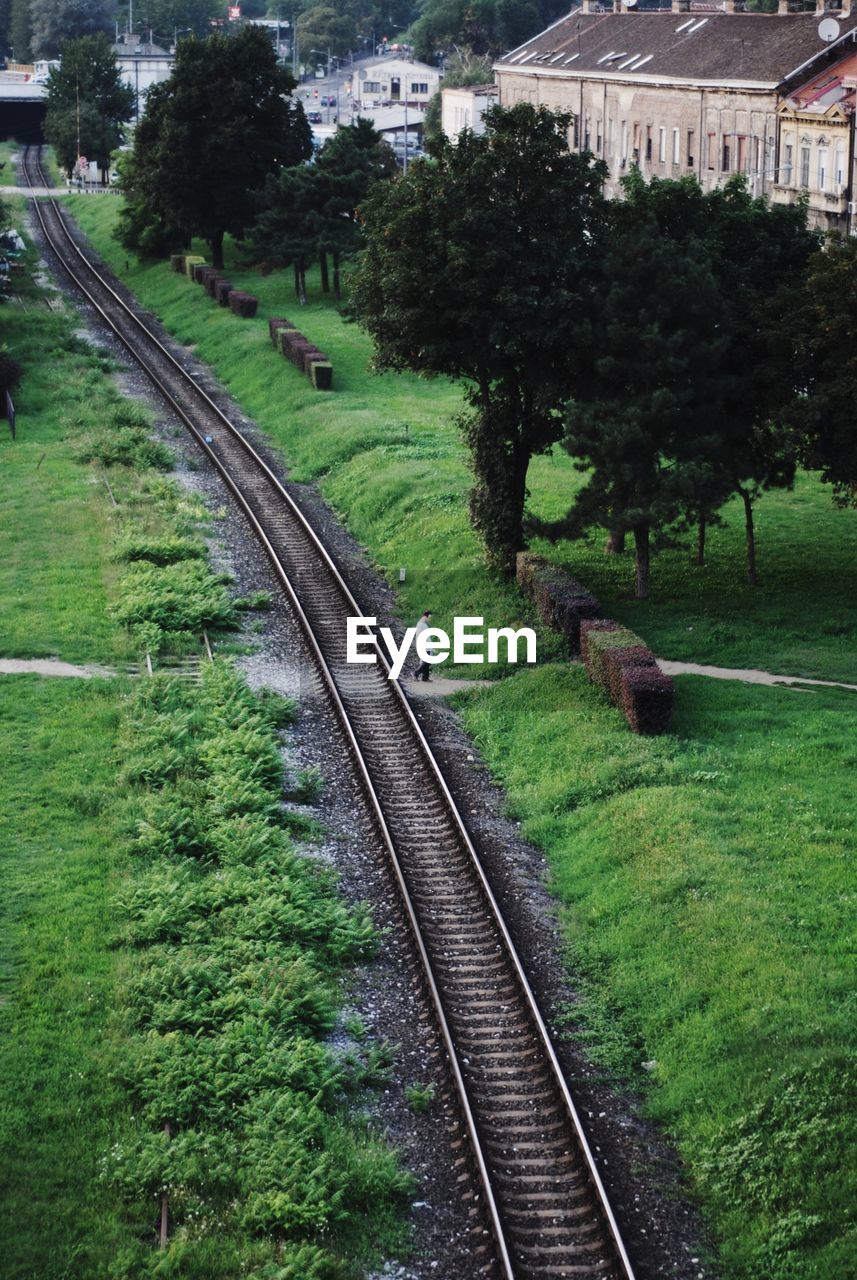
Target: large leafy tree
{"type": "Point", "coordinates": [485, 26]}
{"type": "Point", "coordinates": [325, 30]}
{"type": "Point", "coordinates": [56, 21]}
{"type": "Point", "coordinates": [684, 406]}
{"type": "Point", "coordinates": [478, 266]}
{"type": "Point", "coordinates": [166, 18]}
{"type": "Point", "coordinates": [209, 137]}
{"type": "Point", "coordinates": [647, 421]}
{"type": "Point", "coordinates": [87, 103]}
{"type": "Point", "coordinates": [825, 410]}
{"type": "Point", "coordinates": [311, 211]}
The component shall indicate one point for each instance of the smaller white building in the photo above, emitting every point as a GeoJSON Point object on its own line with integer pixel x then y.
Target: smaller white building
{"type": "Point", "coordinates": [142, 64]}
{"type": "Point", "coordinates": [464, 107]}
{"type": "Point", "coordinates": [395, 81]}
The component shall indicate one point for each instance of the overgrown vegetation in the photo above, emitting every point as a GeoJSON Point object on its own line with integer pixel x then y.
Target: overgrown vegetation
{"type": "Point", "coordinates": [240, 942]}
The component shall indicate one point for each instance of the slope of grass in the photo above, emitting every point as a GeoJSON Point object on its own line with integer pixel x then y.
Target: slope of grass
{"type": "Point", "coordinates": [707, 903]}
{"type": "Point", "coordinates": [702, 876]}
{"type": "Point", "coordinates": [386, 453]}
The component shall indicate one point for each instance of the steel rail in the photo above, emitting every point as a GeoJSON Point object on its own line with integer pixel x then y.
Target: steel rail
{"type": "Point", "coordinates": [375, 800]}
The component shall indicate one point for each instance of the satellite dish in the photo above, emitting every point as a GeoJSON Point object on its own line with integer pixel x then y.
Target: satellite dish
{"type": "Point", "coordinates": [828, 30]}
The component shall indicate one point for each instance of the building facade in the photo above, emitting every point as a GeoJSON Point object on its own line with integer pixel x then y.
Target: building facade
{"type": "Point", "coordinates": [816, 145]}
{"type": "Point", "coordinates": [394, 81]}
{"type": "Point", "coordinates": [142, 64]}
{"type": "Point", "coordinates": [463, 107]}
{"type": "Point", "coordinates": [677, 93]}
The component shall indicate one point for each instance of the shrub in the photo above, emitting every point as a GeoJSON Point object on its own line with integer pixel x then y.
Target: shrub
{"type": "Point", "coordinates": [321, 372]}
{"type": "Point", "coordinates": [11, 372]}
{"type": "Point", "coordinates": [597, 642]}
{"type": "Point", "coordinates": [176, 597]}
{"type": "Point", "coordinates": [647, 698]}
{"type": "Point", "coordinates": [159, 550]}
{"type": "Point", "coordinates": [560, 600]}
{"type": "Point", "coordinates": [310, 357]}
{"type": "Point", "coordinates": [192, 260]}
{"type": "Point", "coordinates": [197, 268]}
{"type": "Point", "coordinates": [275, 323]}
{"type": "Point", "coordinates": [177, 262]}
{"type": "Point", "coordinates": [222, 290]}
{"type": "Point", "coordinates": [243, 304]}
{"type": "Point", "coordinates": [125, 446]}
{"type": "Point", "coordinates": [616, 659]}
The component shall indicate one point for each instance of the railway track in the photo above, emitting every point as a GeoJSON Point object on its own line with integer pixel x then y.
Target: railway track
{"type": "Point", "coordinates": [540, 1191]}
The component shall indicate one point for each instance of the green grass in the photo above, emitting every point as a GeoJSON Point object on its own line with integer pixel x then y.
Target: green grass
{"type": "Point", "coordinates": [403, 492]}
{"type": "Point", "coordinates": [60, 1106]}
{"type": "Point", "coordinates": [702, 876]}
{"type": "Point", "coordinates": [79, 1144]}
{"type": "Point", "coordinates": [707, 899]}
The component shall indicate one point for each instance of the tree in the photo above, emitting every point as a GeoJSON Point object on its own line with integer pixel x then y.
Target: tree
{"type": "Point", "coordinates": [87, 103]}
{"type": "Point", "coordinates": [762, 254]}
{"type": "Point", "coordinates": [56, 21]}
{"type": "Point", "coordinates": [826, 327]}
{"type": "Point", "coordinates": [647, 422]}
{"type": "Point", "coordinates": [478, 266]}
{"type": "Point", "coordinates": [311, 211]}
{"type": "Point", "coordinates": [322, 30]}
{"type": "Point", "coordinates": [208, 138]}
{"type": "Point", "coordinates": [21, 30]}
{"type": "Point", "coordinates": [166, 18]}
{"type": "Point", "coordinates": [485, 26]}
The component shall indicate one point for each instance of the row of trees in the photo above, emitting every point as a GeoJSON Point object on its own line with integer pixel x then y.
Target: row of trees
{"type": "Point", "coordinates": [650, 336]}
{"type": "Point", "coordinates": [222, 149]}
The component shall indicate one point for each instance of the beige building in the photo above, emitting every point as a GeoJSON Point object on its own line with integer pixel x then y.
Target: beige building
{"type": "Point", "coordinates": [815, 144]}
{"type": "Point", "coordinates": [394, 81]}
{"type": "Point", "coordinates": [463, 107]}
{"type": "Point", "coordinates": [674, 92]}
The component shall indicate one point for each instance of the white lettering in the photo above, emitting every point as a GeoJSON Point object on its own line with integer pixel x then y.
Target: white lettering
{"type": "Point", "coordinates": [511, 637]}
{"type": "Point", "coordinates": [464, 639]}
{"type": "Point", "coordinates": [429, 640]}
{"type": "Point", "coordinates": [397, 654]}
{"type": "Point", "coordinates": [354, 640]}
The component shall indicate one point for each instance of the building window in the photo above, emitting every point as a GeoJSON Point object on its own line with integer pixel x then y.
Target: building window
{"type": "Point", "coordinates": [690, 156]}
{"type": "Point", "coordinates": [712, 151]}
{"type": "Point", "coordinates": [822, 168]}
{"type": "Point", "coordinates": [804, 166]}
{"type": "Point", "coordinates": [726, 164]}
{"type": "Point", "coordinates": [648, 142]}
{"type": "Point", "coordinates": [372, 86]}
{"type": "Point", "coordinates": [839, 168]}
{"type": "Point", "coordinates": [624, 156]}
{"type": "Point", "coordinates": [598, 138]}
{"type": "Point", "coordinates": [611, 136]}
{"type": "Point", "coordinates": [676, 146]}
{"type": "Point", "coordinates": [587, 137]}
{"type": "Point", "coordinates": [788, 160]}
{"type": "Point", "coordinates": [742, 154]}
{"type": "Point", "coordinates": [419, 88]}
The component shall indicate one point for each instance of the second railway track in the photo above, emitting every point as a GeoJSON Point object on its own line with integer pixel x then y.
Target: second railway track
{"type": "Point", "coordinates": [546, 1207]}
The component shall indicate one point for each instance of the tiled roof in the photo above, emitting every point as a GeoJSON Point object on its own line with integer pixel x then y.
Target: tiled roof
{"type": "Point", "coordinates": [716, 47]}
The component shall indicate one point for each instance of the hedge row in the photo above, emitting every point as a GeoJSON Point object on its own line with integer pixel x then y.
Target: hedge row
{"type": "Point", "coordinates": [561, 602]}
{"type": "Point", "coordinates": [625, 668]}
{"type": "Point", "coordinates": [301, 352]}
{"type": "Point", "coordinates": [215, 285]}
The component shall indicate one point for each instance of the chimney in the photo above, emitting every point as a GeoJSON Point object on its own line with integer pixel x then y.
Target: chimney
{"type": "Point", "coordinates": [820, 8]}
{"type": "Point", "coordinates": [782, 8]}
{"type": "Point", "coordinates": [728, 6]}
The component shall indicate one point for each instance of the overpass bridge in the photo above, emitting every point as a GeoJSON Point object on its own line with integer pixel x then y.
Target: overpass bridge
{"type": "Point", "coordinates": [22, 108]}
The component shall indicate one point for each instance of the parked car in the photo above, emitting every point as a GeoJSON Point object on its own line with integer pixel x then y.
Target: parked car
{"type": "Point", "coordinates": [314, 117]}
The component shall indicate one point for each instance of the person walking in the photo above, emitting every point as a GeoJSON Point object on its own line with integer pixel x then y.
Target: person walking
{"type": "Point", "coordinates": [423, 668]}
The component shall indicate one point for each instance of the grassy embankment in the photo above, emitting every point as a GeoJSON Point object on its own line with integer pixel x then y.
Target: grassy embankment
{"type": "Point", "coordinates": [702, 877]}
{"type": "Point", "coordinates": [127, 818]}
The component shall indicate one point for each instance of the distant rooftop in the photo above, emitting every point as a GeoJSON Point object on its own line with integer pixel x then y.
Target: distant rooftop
{"type": "Point", "coordinates": [715, 47]}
